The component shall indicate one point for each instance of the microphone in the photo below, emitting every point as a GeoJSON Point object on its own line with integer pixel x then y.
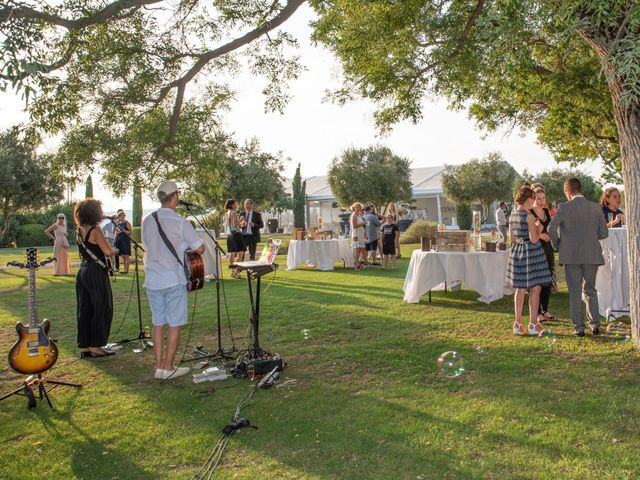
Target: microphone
{"type": "Point", "coordinates": [184, 203]}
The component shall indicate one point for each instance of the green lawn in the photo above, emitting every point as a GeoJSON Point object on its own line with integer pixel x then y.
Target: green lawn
{"type": "Point", "coordinates": [369, 402]}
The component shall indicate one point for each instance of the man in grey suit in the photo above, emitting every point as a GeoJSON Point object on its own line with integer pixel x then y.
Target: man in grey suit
{"type": "Point", "coordinates": [576, 231]}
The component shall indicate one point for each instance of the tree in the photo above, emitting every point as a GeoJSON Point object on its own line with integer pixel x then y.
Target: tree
{"type": "Point", "coordinates": [101, 71]}
{"type": "Point", "coordinates": [481, 181]}
{"type": "Point", "coordinates": [299, 199]}
{"type": "Point", "coordinates": [136, 208]}
{"type": "Point", "coordinates": [240, 172]}
{"type": "Point", "coordinates": [553, 183]}
{"type": "Point", "coordinates": [484, 54]}
{"type": "Point", "coordinates": [373, 175]}
{"type": "Point", "coordinates": [88, 188]}
{"type": "Point", "coordinates": [26, 182]}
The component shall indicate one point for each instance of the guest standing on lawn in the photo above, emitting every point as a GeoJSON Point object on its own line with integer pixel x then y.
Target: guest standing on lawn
{"type": "Point", "coordinates": [357, 223]}
{"type": "Point", "coordinates": [122, 241]}
{"type": "Point", "coordinates": [93, 289]}
{"type": "Point", "coordinates": [58, 233]}
{"type": "Point", "coordinates": [235, 242]}
{"type": "Point", "coordinates": [372, 232]}
{"type": "Point", "coordinates": [528, 268]}
{"type": "Point", "coordinates": [390, 242]}
{"type": "Point", "coordinates": [501, 221]}
{"type": "Point", "coordinates": [611, 201]}
{"type": "Point", "coordinates": [543, 217]}
{"type": "Point", "coordinates": [576, 231]}
{"type": "Point", "coordinates": [252, 225]}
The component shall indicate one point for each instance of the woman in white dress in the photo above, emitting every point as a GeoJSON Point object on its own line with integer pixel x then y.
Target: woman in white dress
{"type": "Point", "coordinates": [358, 240]}
{"type": "Point", "coordinates": [58, 233]}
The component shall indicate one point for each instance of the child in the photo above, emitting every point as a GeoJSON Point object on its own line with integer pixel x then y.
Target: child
{"type": "Point", "coordinates": [390, 242]}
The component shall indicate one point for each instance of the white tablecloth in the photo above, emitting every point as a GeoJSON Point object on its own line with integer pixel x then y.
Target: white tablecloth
{"type": "Point", "coordinates": [320, 253]}
{"type": "Point", "coordinates": [484, 272]}
{"type": "Point", "coordinates": [209, 256]}
{"type": "Point", "coordinates": [612, 281]}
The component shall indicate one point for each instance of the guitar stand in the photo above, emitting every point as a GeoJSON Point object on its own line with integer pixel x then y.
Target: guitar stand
{"type": "Point", "coordinates": [43, 393]}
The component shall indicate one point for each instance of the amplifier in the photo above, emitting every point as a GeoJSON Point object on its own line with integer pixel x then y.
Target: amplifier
{"type": "Point", "coordinates": [260, 366]}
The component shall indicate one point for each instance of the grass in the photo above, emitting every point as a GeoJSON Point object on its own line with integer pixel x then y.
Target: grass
{"type": "Point", "coordinates": [369, 402]}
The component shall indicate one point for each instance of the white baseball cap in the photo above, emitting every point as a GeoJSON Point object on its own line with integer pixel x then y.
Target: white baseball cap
{"type": "Point", "coordinates": [167, 187]}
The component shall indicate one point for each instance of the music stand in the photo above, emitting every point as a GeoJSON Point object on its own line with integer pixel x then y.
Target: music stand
{"type": "Point", "coordinates": [143, 335]}
{"type": "Point", "coordinates": [219, 353]}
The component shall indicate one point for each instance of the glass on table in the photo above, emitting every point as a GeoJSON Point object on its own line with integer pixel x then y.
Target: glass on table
{"type": "Point", "coordinates": [610, 217]}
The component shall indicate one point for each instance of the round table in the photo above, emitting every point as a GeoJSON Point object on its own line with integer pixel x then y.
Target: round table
{"type": "Point", "coordinates": [320, 253]}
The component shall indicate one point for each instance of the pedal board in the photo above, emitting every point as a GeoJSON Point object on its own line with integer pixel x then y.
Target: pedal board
{"type": "Point", "coordinates": [259, 366]}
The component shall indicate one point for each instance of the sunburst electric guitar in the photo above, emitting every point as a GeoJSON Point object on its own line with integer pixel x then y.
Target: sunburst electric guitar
{"type": "Point", "coordinates": [34, 352]}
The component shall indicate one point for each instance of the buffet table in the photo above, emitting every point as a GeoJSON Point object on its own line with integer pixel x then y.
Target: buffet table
{"type": "Point", "coordinates": [209, 255]}
{"type": "Point", "coordinates": [484, 272]}
{"type": "Point", "coordinates": [320, 253]}
{"type": "Point", "coordinates": [612, 281]}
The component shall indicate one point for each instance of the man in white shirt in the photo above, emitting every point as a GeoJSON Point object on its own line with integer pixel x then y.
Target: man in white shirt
{"type": "Point", "coordinates": [110, 235]}
{"type": "Point", "coordinates": [165, 278]}
{"type": "Point", "coordinates": [501, 220]}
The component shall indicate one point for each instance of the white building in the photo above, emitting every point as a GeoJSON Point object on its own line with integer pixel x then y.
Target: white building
{"type": "Point", "coordinates": [428, 201]}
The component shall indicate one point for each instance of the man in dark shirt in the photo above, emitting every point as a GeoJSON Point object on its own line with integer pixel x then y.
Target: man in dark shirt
{"type": "Point", "coordinates": [390, 242]}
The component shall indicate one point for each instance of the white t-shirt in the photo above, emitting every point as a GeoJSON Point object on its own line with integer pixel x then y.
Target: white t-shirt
{"type": "Point", "coordinates": [501, 218]}
{"type": "Point", "coordinates": [108, 230]}
{"type": "Point", "coordinates": [161, 268]}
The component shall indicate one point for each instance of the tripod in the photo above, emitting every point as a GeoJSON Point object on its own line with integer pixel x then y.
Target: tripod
{"type": "Point", "coordinates": [143, 335]}
{"type": "Point", "coordinates": [41, 383]}
{"type": "Point", "coordinates": [202, 354]}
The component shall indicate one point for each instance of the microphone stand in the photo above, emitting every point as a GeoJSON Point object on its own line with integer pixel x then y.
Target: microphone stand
{"type": "Point", "coordinates": [219, 353]}
{"type": "Point", "coordinates": [143, 335]}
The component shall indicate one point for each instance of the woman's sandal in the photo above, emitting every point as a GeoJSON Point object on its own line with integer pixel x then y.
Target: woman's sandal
{"type": "Point", "coordinates": [534, 331]}
{"type": "Point", "coordinates": [517, 328]}
{"type": "Point", "coordinates": [549, 318]}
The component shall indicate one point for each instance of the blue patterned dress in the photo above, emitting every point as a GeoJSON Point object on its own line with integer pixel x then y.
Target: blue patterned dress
{"type": "Point", "coordinates": [528, 265]}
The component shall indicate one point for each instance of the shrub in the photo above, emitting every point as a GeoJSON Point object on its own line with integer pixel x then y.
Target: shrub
{"type": "Point", "coordinates": [464, 216]}
{"type": "Point", "coordinates": [12, 232]}
{"type": "Point", "coordinates": [419, 229]}
{"type": "Point", "coordinates": [32, 235]}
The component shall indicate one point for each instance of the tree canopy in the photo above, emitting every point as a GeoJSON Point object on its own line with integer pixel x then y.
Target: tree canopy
{"type": "Point", "coordinates": [553, 183]}
{"type": "Point", "coordinates": [481, 181]}
{"type": "Point", "coordinates": [134, 84]}
{"type": "Point", "coordinates": [373, 175]}
{"type": "Point", "coordinates": [26, 181]}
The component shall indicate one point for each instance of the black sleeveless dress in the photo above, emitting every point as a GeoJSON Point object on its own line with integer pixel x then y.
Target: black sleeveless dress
{"type": "Point", "coordinates": [94, 298]}
{"type": "Point", "coordinates": [547, 247]}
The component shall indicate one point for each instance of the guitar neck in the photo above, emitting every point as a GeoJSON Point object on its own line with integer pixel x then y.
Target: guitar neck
{"type": "Point", "coordinates": [33, 307]}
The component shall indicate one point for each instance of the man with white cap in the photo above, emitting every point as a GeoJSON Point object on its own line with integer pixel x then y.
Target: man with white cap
{"type": "Point", "coordinates": [165, 279]}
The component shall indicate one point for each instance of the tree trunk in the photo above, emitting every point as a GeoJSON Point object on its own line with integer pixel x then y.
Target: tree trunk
{"type": "Point", "coordinates": [628, 121]}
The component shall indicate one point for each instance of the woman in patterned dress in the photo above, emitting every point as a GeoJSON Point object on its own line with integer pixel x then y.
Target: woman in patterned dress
{"type": "Point", "coordinates": [528, 268]}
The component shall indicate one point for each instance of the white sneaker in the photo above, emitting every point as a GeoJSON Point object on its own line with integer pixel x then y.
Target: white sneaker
{"type": "Point", "coordinates": [178, 372]}
{"type": "Point", "coordinates": [159, 375]}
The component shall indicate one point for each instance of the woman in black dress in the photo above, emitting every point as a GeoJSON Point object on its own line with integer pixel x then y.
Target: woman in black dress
{"type": "Point", "coordinates": [93, 289]}
{"type": "Point", "coordinates": [542, 214]}
{"type": "Point", "coordinates": [123, 241]}
{"type": "Point", "coordinates": [611, 201]}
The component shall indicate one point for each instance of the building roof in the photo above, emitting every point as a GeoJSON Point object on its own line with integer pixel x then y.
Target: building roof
{"type": "Point", "coordinates": [425, 182]}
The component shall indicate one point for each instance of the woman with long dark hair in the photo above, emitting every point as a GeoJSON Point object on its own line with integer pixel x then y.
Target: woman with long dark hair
{"type": "Point", "coordinates": [93, 289]}
{"type": "Point", "coordinates": [233, 226]}
{"type": "Point", "coordinates": [542, 215]}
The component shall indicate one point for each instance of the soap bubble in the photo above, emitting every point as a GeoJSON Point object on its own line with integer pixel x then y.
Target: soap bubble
{"type": "Point", "coordinates": [306, 334]}
{"type": "Point", "coordinates": [451, 364]}
{"type": "Point", "coordinates": [548, 337]}
{"type": "Point", "coordinates": [617, 332]}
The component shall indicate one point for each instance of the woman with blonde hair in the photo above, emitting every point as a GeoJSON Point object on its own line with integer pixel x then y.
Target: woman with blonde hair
{"type": "Point", "coordinates": [528, 268]}
{"type": "Point", "coordinates": [58, 233]}
{"type": "Point", "coordinates": [358, 240]}
{"type": "Point", "coordinates": [611, 201]}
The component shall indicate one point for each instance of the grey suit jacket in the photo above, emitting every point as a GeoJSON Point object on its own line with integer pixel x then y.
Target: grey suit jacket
{"type": "Point", "coordinates": [576, 231]}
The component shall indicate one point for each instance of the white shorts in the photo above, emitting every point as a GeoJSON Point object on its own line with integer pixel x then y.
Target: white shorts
{"type": "Point", "coordinates": [169, 306]}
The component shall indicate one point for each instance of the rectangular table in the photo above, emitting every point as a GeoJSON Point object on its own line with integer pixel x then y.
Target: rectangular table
{"type": "Point", "coordinates": [484, 272]}
{"type": "Point", "coordinates": [612, 281]}
{"type": "Point", "coordinates": [320, 253]}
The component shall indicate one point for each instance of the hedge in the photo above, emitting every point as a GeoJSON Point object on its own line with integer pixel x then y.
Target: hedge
{"type": "Point", "coordinates": [32, 235]}
{"type": "Point", "coordinates": [419, 229]}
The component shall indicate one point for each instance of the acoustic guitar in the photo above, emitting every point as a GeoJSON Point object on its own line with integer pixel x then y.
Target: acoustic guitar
{"type": "Point", "coordinates": [194, 270]}
{"type": "Point", "coordinates": [34, 352]}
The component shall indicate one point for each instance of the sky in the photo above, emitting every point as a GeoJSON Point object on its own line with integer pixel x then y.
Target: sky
{"type": "Point", "coordinates": [313, 131]}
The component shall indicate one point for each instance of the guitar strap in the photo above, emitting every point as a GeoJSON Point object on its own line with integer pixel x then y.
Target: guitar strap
{"type": "Point", "coordinates": [93, 256]}
{"type": "Point", "coordinates": [171, 248]}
